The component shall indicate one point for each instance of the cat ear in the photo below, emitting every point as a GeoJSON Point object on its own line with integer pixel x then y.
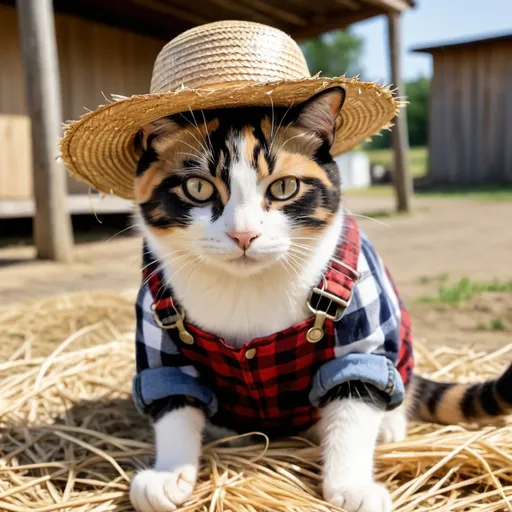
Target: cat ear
{"type": "Point", "coordinates": [150, 131]}
{"type": "Point", "coordinates": [319, 113]}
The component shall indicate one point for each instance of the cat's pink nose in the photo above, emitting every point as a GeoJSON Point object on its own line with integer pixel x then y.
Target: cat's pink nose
{"type": "Point", "coordinates": [244, 238]}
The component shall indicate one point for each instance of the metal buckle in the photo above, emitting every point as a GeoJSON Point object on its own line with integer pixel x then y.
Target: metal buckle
{"type": "Point", "coordinates": [179, 324]}
{"type": "Point", "coordinates": [316, 333]}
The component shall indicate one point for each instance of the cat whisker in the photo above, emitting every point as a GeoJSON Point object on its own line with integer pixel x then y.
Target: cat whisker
{"type": "Point", "coordinates": [290, 139]}
{"type": "Point", "coordinates": [297, 253]}
{"type": "Point", "coordinates": [196, 126]}
{"type": "Point", "coordinates": [160, 265]}
{"type": "Point", "coordinates": [165, 256]}
{"type": "Point", "coordinates": [146, 281]}
{"type": "Point", "coordinates": [118, 233]}
{"type": "Point", "coordinates": [304, 246]}
{"type": "Point", "coordinates": [369, 218]}
{"type": "Point", "coordinates": [191, 155]}
{"type": "Point", "coordinates": [272, 121]}
{"type": "Point", "coordinates": [278, 128]}
{"type": "Point", "coordinates": [286, 260]}
{"type": "Point", "coordinates": [196, 123]}
{"type": "Point", "coordinates": [298, 260]}
{"type": "Point", "coordinates": [196, 268]}
{"type": "Point", "coordinates": [207, 132]}
{"type": "Point", "coordinates": [163, 286]}
{"type": "Point", "coordinates": [183, 267]}
{"type": "Point", "coordinates": [206, 154]}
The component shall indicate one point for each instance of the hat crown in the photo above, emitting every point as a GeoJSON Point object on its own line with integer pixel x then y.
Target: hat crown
{"type": "Point", "coordinates": [227, 51]}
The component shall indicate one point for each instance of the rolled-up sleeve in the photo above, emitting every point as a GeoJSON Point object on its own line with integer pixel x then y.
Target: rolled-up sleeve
{"type": "Point", "coordinates": [156, 383]}
{"type": "Point", "coordinates": [367, 340]}
{"type": "Point", "coordinates": [372, 369]}
{"type": "Point", "coordinates": [162, 370]}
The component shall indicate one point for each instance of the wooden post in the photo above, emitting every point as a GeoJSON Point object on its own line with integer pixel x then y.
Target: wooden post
{"type": "Point", "coordinates": [400, 138]}
{"type": "Point", "coordinates": [52, 223]}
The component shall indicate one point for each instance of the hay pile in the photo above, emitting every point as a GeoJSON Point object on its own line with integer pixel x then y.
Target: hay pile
{"type": "Point", "coordinates": [71, 439]}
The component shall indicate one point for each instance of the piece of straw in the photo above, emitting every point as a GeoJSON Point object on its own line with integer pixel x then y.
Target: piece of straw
{"type": "Point", "coordinates": [71, 439]}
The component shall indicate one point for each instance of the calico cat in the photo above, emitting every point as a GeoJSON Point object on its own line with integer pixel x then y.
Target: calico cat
{"type": "Point", "coordinates": [241, 210]}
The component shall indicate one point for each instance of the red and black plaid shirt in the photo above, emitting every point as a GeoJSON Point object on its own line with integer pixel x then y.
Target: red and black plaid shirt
{"type": "Point", "coordinates": [273, 384]}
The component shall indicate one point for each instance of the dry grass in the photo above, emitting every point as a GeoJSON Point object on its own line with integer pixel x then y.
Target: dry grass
{"type": "Point", "coordinates": [71, 439]}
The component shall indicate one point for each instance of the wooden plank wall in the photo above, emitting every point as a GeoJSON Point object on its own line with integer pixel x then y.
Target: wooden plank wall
{"type": "Point", "coordinates": [471, 115]}
{"type": "Point", "coordinates": [94, 59]}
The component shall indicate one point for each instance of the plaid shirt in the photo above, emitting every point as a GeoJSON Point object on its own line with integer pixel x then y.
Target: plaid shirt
{"type": "Point", "coordinates": [275, 384]}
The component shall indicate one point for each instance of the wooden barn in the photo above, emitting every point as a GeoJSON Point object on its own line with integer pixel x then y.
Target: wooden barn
{"type": "Point", "coordinates": [94, 58]}
{"type": "Point", "coordinates": [107, 47]}
{"type": "Point", "coordinates": [470, 130]}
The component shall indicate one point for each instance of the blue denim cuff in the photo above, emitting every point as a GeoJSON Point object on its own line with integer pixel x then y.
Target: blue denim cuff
{"type": "Point", "coordinates": [370, 368]}
{"type": "Point", "coordinates": [155, 383]}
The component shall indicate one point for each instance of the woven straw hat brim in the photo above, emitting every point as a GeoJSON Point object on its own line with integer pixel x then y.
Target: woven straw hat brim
{"type": "Point", "coordinates": [99, 148]}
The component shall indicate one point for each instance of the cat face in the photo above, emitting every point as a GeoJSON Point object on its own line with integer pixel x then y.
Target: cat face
{"type": "Point", "coordinates": [240, 189]}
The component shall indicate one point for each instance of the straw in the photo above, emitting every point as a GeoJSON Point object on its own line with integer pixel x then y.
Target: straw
{"type": "Point", "coordinates": [71, 439]}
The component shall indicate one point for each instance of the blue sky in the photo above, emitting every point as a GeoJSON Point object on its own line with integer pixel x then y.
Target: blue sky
{"type": "Point", "coordinates": [431, 22]}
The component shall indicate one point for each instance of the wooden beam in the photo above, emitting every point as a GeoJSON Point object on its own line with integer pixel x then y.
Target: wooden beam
{"type": "Point", "coordinates": [282, 15]}
{"type": "Point", "coordinates": [52, 223]}
{"type": "Point", "coordinates": [390, 5]}
{"type": "Point", "coordinates": [166, 9]}
{"type": "Point", "coordinates": [400, 138]}
{"type": "Point", "coordinates": [321, 24]}
{"type": "Point", "coordinates": [247, 13]}
{"type": "Point", "coordinates": [351, 4]}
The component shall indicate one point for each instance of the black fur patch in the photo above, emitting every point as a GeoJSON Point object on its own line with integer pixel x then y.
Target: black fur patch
{"type": "Point", "coordinates": [357, 390]}
{"type": "Point", "coordinates": [488, 399]}
{"type": "Point", "coordinates": [436, 394]}
{"type": "Point", "coordinates": [469, 401]}
{"type": "Point", "coordinates": [148, 157]}
{"type": "Point", "coordinates": [161, 407]}
{"type": "Point", "coordinates": [504, 386]}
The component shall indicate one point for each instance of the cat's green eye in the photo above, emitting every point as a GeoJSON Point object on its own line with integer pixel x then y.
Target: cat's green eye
{"type": "Point", "coordinates": [284, 188]}
{"type": "Point", "coordinates": [198, 189]}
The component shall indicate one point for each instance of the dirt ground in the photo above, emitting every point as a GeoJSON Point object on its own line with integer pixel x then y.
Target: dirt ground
{"type": "Point", "coordinates": [455, 237]}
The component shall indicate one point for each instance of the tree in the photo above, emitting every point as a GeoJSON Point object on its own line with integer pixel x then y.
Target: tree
{"type": "Point", "coordinates": [417, 111]}
{"type": "Point", "coordinates": [334, 53]}
{"type": "Point", "coordinates": [418, 93]}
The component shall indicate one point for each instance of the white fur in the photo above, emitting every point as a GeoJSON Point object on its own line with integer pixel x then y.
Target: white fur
{"type": "Point", "coordinates": [394, 425]}
{"type": "Point", "coordinates": [241, 300]}
{"type": "Point", "coordinates": [349, 429]}
{"type": "Point", "coordinates": [178, 437]}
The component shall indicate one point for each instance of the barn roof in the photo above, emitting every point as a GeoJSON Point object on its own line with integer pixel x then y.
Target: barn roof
{"type": "Point", "coordinates": [448, 45]}
{"type": "Point", "coordinates": [167, 18]}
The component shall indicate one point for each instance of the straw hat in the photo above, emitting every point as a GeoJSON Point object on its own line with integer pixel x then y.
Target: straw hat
{"type": "Point", "coordinates": [222, 64]}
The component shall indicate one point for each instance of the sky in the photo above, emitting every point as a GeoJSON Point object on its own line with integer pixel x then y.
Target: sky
{"type": "Point", "coordinates": [428, 24]}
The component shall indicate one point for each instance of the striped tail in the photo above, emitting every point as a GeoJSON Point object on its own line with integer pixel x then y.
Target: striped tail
{"type": "Point", "coordinates": [450, 404]}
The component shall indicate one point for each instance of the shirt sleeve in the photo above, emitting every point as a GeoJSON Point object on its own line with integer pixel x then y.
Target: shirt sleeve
{"type": "Point", "coordinates": [367, 338]}
{"type": "Point", "coordinates": [162, 370]}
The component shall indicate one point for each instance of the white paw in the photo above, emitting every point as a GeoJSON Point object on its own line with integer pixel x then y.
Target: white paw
{"type": "Point", "coordinates": [162, 491]}
{"type": "Point", "coordinates": [360, 498]}
{"type": "Point", "coordinates": [393, 428]}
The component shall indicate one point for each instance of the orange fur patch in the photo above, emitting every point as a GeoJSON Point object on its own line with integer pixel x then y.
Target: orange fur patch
{"type": "Point", "coordinates": [300, 166]}
{"type": "Point", "coordinates": [146, 183]}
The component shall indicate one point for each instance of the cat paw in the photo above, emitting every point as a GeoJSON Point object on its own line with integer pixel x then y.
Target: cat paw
{"type": "Point", "coordinates": [393, 428]}
{"type": "Point", "coordinates": [162, 491]}
{"type": "Point", "coordinates": [360, 498]}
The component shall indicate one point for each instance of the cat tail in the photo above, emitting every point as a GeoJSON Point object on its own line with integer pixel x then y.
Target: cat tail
{"type": "Point", "coordinates": [450, 403]}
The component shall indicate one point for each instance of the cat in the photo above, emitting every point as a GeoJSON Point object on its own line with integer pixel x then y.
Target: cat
{"type": "Point", "coordinates": [242, 210]}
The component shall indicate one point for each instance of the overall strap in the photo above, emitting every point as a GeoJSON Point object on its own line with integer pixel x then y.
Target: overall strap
{"type": "Point", "coordinates": [167, 314]}
{"type": "Point", "coordinates": [330, 299]}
